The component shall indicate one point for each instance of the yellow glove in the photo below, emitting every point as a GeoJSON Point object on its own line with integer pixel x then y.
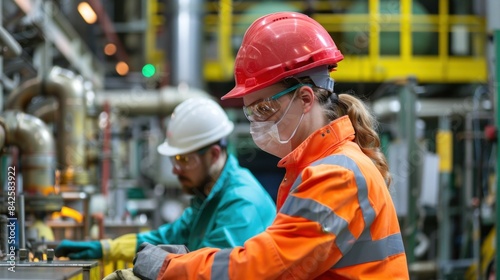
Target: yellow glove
{"type": "Point", "coordinates": [122, 248]}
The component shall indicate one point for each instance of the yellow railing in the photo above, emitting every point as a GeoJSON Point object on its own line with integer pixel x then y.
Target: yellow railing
{"type": "Point", "coordinates": [369, 64]}
{"type": "Point", "coordinates": [220, 67]}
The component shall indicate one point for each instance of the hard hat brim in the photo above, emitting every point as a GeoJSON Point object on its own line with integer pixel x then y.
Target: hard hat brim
{"type": "Point", "coordinates": [166, 150]}
{"type": "Point", "coordinates": [236, 92]}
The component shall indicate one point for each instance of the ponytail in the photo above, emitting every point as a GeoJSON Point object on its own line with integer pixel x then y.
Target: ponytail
{"type": "Point", "coordinates": [365, 125]}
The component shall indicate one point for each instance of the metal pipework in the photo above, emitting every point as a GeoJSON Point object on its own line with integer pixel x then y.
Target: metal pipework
{"type": "Point", "coordinates": [69, 90]}
{"type": "Point", "coordinates": [35, 141]}
{"type": "Point", "coordinates": [47, 112]}
{"type": "Point", "coordinates": [13, 47]}
{"type": "Point", "coordinates": [186, 55]}
{"type": "Point", "coordinates": [129, 102]}
{"type": "Point", "coordinates": [146, 102]}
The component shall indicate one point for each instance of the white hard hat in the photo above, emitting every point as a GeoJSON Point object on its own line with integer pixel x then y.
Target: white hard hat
{"type": "Point", "coordinates": [194, 124]}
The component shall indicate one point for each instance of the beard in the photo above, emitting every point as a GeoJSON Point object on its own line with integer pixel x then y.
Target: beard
{"type": "Point", "coordinates": [197, 189]}
{"type": "Point", "coordinates": [204, 186]}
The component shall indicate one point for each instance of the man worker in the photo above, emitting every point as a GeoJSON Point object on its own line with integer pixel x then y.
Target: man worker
{"type": "Point", "coordinates": [228, 206]}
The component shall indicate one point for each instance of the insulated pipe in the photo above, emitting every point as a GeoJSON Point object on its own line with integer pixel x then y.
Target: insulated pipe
{"type": "Point", "coordinates": [34, 140]}
{"type": "Point", "coordinates": [129, 102]}
{"type": "Point", "coordinates": [186, 28]}
{"type": "Point", "coordinates": [47, 112]}
{"type": "Point", "coordinates": [146, 102]}
{"type": "Point", "coordinates": [69, 90]}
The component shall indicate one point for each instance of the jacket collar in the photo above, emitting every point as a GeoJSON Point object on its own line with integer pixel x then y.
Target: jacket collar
{"type": "Point", "coordinates": [320, 143]}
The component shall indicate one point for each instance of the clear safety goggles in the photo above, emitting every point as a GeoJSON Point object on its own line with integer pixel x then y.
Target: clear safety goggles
{"type": "Point", "coordinates": [188, 161]}
{"type": "Point", "coordinates": [261, 110]}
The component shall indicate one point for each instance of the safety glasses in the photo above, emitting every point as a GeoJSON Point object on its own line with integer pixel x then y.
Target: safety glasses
{"type": "Point", "coordinates": [188, 161]}
{"type": "Point", "coordinates": [261, 110]}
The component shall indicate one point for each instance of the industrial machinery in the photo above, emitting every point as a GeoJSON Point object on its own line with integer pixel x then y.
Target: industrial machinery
{"type": "Point", "coordinates": [73, 154]}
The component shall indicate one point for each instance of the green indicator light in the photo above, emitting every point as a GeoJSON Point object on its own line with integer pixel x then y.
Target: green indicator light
{"type": "Point", "coordinates": [148, 70]}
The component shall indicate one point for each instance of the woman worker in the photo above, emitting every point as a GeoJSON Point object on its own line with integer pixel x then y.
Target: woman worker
{"type": "Point", "coordinates": [335, 219]}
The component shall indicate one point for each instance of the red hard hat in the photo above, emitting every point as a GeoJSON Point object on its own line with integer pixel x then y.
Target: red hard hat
{"type": "Point", "coordinates": [280, 45]}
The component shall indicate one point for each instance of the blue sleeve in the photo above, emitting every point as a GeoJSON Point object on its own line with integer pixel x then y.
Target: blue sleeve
{"type": "Point", "coordinates": [172, 233]}
{"type": "Point", "coordinates": [238, 220]}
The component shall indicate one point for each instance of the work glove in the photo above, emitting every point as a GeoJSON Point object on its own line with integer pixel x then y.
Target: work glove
{"type": "Point", "coordinates": [150, 258]}
{"type": "Point", "coordinates": [82, 250]}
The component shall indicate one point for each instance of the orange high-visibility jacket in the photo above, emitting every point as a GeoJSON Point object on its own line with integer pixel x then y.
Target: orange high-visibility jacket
{"type": "Point", "coordinates": [336, 220]}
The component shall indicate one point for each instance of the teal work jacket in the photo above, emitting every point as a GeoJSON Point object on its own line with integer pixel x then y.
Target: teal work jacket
{"type": "Point", "coordinates": [237, 208]}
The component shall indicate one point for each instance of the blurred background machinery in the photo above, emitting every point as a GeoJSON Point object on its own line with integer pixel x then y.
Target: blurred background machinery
{"type": "Point", "coordinates": [88, 86]}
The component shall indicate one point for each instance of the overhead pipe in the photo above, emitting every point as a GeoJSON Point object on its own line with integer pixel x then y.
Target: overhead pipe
{"type": "Point", "coordinates": [69, 91]}
{"type": "Point", "coordinates": [36, 144]}
{"type": "Point", "coordinates": [146, 102]}
{"type": "Point", "coordinates": [128, 102]}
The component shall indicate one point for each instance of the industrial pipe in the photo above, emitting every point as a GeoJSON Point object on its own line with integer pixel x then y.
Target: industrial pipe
{"type": "Point", "coordinates": [13, 47]}
{"type": "Point", "coordinates": [125, 102]}
{"type": "Point", "coordinates": [146, 102]}
{"type": "Point", "coordinates": [69, 90]}
{"type": "Point", "coordinates": [185, 47]}
{"type": "Point", "coordinates": [128, 102]}
{"type": "Point", "coordinates": [35, 141]}
{"type": "Point", "coordinates": [47, 112]}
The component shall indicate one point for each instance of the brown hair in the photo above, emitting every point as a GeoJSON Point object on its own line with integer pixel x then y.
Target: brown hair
{"type": "Point", "coordinates": [365, 125]}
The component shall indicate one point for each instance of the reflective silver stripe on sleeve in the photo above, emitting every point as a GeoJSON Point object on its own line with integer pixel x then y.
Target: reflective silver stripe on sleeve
{"type": "Point", "coordinates": [367, 250]}
{"type": "Point", "coordinates": [314, 211]}
{"type": "Point", "coordinates": [220, 267]}
{"type": "Point", "coordinates": [330, 220]}
{"type": "Point", "coordinates": [348, 163]}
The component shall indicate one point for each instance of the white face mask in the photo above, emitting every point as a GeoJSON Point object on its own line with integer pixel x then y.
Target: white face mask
{"type": "Point", "coordinates": [267, 137]}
